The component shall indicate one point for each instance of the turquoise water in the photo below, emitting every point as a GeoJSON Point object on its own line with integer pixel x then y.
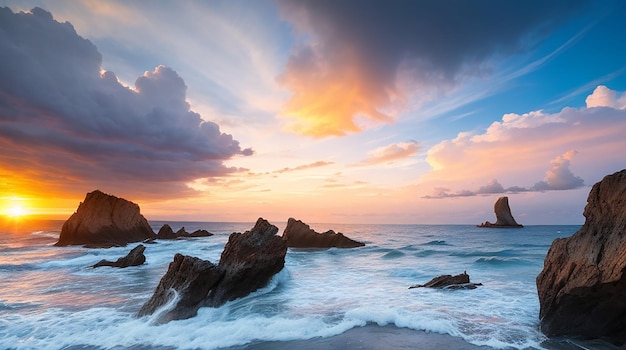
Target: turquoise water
{"type": "Point", "coordinates": [51, 299]}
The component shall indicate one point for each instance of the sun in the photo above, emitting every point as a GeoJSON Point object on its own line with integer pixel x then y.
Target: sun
{"type": "Point", "coordinates": [16, 211]}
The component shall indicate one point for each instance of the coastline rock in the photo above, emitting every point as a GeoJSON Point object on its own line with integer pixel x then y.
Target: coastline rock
{"type": "Point", "coordinates": [299, 235]}
{"type": "Point", "coordinates": [582, 287]}
{"type": "Point", "coordinates": [103, 220]}
{"type": "Point", "coordinates": [504, 218]}
{"type": "Point", "coordinates": [461, 281]}
{"type": "Point", "coordinates": [134, 258]}
{"type": "Point", "coordinates": [166, 232]}
{"type": "Point", "coordinates": [248, 262]}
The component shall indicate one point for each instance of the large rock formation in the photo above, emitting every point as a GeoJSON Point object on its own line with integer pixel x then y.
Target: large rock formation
{"type": "Point", "coordinates": [166, 232]}
{"type": "Point", "coordinates": [461, 281]}
{"type": "Point", "coordinates": [504, 218]}
{"type": "Point", "coordinates": [247, 263]}
{"type": "Point", "coordinates": [300, 235]}
{"type": "Point", "coordinates": [134, 258]}
{"type": "Point", "coordinates": [582, 288]}
{"type": "Point", "coordinates": [102, 220]}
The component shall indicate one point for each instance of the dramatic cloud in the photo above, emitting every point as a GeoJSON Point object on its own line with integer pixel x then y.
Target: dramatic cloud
{"type": "Point", "coordinates": [362, 59]}
{"type": "Point", "coordinates": [61, 117]}
{"type": "Point", "coordinates": [390, 153]}
{"type": "Point", "coordinates": [558, 178]}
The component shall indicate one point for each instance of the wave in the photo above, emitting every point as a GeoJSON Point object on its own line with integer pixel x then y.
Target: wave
{"type": "Point", "coordinates": [394, 254]}
{"type": "Point", "coordinates": [495, 261]}
{"type": "Point", "coordinates": [436, 242]}
{"type": "Point", "coordinates": [499, 253]}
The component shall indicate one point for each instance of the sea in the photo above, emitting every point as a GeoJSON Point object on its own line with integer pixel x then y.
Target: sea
{"type": "Point", "coordinates": [50, 297]}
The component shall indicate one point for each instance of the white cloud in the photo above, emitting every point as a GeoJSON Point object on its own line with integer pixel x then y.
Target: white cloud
{"type": "Point", "coordinates": [605, 97]}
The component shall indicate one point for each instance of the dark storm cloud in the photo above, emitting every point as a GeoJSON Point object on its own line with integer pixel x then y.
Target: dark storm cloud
{"type": "Point", "coordinates": [431, 43]}
{"type": "Point", "coordinates": [61, 115]}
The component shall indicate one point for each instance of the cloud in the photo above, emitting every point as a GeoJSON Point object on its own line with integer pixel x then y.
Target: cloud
{"type": "Point", "coordinates": [61, 117]}
{"type": "Point", "coordinates": [390, 153]}
{"type": "Point", "coordinates": [317, 164]}
{"type": "Point", "coordinates": [357, 61]}
{"type": "Point", "coordinates": [518, 147]}
{"type": "Point", "coordinates": [605, 97]}
{"type": "Point", "coordinates": [558, 178]}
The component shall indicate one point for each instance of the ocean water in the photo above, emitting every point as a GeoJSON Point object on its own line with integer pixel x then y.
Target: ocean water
{"type": "Point", "coordinates": [51, 299]}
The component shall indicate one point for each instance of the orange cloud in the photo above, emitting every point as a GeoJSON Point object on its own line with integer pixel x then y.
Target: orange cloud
{"type": "Point", "coordinates": [390, 153]}
{"type": "Point", "coordinates": [326, 98]}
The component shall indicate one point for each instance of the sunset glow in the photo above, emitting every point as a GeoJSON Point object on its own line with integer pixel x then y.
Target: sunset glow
{"type": "Point", "coordinates": [329, 111]}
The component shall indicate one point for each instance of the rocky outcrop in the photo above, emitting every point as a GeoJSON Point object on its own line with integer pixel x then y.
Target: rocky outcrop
{"type": "Point", "coordinates": [134, 258]}
{"type": "Point", "coordinates": [248, 262]}
{"type": "Point", "coordinates": [582, 287]}
{"type": "Point", "coordinates": [504, 218]}
{"type": "Point", "coordinates": [102, 220]}
{"type": "Point", "coordinates": [461, 281]}
{"type": "Point", "coordinates": [300, 235]}
{"type": "Point", "coordinates": [166, 232]}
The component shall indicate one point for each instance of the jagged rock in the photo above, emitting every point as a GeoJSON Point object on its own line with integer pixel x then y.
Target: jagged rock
{"type": "Point", "coordinates": [300, 235]}
{"type": "Point", "coordinates": [504, 218]}
{"type": "Point", "coordinates": [582, 287]}
{"type": "Point", "coordinates": [102, 220]}
{"type": "Point", "coordinates": [134, 258]}
{"type": "Point", "coordinates": [461, 281]}
{"type": "Point", "coordinates": [191, 279]}
{"type": "Point", "coordinates": [248, 262]}
{"type": "Point", "coordinates": [166, 232]}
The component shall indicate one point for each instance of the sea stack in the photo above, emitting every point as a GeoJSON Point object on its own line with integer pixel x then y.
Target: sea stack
{"type": "Point", "coordinates": [300, 235]}
{"type": "Point", "coordinates": [248, 262]}
{"type": "Point", "coordinates": [582, 288]}
{"type": "Point", "coordinates": [103, 220]}
{"type": "Point", "coordinates": [504, 218]}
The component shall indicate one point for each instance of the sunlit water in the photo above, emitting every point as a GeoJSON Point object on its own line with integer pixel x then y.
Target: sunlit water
{"type": "Point", "coordinates": [51, 299]}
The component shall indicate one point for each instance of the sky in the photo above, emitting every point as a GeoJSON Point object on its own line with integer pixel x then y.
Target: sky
{"type": "Point", "coordinates": [396, 112]}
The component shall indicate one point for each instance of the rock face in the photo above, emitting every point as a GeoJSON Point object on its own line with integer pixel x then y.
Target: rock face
{"type": "Point", "coordinates": [300, 235]}
{"type": "Point", "coordinates": [582, 288]}
{"type": "Point", "coordinates": [461, 281]}
{"type": "Point", "coordinates": [248, 262]}
{"type": "Point", "coordinates": [134, 258]}
{"type": "Point", "coordinates": [103, 220]}
{"type": "Point", "coordinates": [504, 218]}
{"type": "Point", "coordinates": [166, 232]}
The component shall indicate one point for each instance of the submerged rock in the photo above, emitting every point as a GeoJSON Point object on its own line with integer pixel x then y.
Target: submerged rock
{"type": "Point", "coordinates": [134, 258]}
{"type": "Point", "coordinates": [582, 287]}
{"type": "Point", "coordinates": [248, 262]}
{"type": "Point", "coordinates": [300, 235]}
{"type": "Point", "coordinates": [166, 232]}
{"type": "Point", "coordinates": [504, 218]}
{"type": "Point", "coordinates": [103, 220]}
{"type": "Point", "coordinates": [461, 281]}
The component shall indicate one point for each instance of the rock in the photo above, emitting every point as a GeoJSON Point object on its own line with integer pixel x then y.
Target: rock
{"type": "Point", "coordinates": [102, 220]}
{"type": "Point", "coordinates": [134, 258]}
{"type": "Point", "coordinates": [191, 279]}
{"type": "Point", "coordinates": [504, 218]}
{"type": "Point", "coordinates": [582, 287]}
{"type": "Point", "coordinates": [166, 232]}
{"type": "Point", "coordinates": [248, 262]}
{"type": "Point", "coordinates": [461, 281]}
{"type": "Point", "coordinates": [300, 235]}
